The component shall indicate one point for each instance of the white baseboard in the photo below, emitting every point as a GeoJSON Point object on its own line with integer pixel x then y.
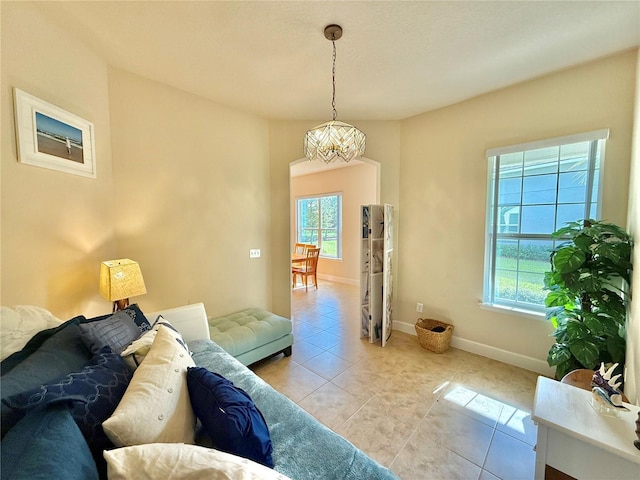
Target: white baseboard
{"type": "Point", "coordinates": [332, 278]}
{"type": "Point", "coordinates": [522, 361]}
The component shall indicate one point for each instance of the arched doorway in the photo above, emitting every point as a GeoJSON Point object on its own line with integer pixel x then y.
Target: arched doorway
{"type": "Point", "coordinates": [357, 183]}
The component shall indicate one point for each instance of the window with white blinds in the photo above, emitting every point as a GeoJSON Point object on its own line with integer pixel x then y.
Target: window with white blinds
{"type": "Point", "coordinates": [534, 189]}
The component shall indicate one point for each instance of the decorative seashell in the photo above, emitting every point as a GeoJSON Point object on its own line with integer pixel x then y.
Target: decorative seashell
{"type": "Point", "coordinates": [616, 399]}
{"type": "Point", "coordinates": [602, 378]}
{"type": "Point", "coordinates": [602, 396]}
{"type": "Point", "coordinates": [607, 375]}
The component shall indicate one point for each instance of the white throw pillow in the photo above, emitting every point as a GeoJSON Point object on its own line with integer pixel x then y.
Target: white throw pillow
{"type": "Point", "coordinates": [136, 352]}
{"type": "Point", "coordinates": [20, 324]}
{"type": "Point", "coordinates": [177, 461]}
{"type": "Point", "coordinates": [156, 406]}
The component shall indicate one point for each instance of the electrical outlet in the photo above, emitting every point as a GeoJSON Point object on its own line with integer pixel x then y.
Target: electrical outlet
{"type": "Point", "coordinates": [419, 307]}
{"type": "Point", "coordinates": [254, 253]}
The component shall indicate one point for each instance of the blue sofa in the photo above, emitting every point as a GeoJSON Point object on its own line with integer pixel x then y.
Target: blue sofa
{"type": "Point", "coordinates": [303, 448]}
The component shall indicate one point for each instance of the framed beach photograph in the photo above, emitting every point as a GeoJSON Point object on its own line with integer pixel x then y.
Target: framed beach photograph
{"type": "Point", "coordinates": [53, 138]}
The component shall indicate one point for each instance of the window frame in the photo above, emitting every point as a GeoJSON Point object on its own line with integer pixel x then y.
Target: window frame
{"type": "Point", "coordinates": [597, 139]}
{"type": "Point", "coordinates": [320, 229]}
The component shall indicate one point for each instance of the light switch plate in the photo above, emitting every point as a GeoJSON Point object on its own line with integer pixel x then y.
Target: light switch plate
{"type": "Point", "coordinates": [254, 253]}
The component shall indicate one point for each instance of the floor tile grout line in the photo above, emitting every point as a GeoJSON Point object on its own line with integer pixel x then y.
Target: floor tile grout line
{"type": "Point", "coordinates": [486, 455]}
{"type": "Point", "coordinates": [339, 317]}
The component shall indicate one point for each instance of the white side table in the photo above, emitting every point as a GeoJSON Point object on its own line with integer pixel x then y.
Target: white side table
{"type": "Point", "coordinates": [576, 440]}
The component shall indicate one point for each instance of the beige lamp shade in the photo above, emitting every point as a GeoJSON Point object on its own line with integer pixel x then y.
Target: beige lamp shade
{"type": "Point", "coordinates": [121, 279]}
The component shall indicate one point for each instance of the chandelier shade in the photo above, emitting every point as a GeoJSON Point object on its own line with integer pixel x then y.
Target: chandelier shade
{"type": "Point", "coordinates": [334, 140]}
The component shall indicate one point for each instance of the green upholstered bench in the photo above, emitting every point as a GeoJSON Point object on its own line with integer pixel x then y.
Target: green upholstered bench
{"type": "Point", "coordinates": [252, 334]}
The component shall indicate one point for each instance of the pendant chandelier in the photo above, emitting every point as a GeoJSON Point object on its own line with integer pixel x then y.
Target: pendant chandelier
{"type": "Point", "coordinates": [334, 139]}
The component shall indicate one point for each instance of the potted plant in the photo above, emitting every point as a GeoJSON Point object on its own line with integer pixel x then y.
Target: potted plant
{"type": "Point", "coordinates": [588, 294]}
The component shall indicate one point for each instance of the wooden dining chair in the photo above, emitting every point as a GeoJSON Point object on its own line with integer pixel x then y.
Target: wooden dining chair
{"type": "Point", "coordinates": [307, 268]}
{"type": "Point", "coordinates": [299, 248]}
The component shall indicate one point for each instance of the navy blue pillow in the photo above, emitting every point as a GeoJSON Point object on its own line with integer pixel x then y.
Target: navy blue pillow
{"type": "Point", "coordinates": [46, 444]}
{"type": "Point", "coordinates": [229, 416]}
{"type": "Point", "coordinates": [94, 394]}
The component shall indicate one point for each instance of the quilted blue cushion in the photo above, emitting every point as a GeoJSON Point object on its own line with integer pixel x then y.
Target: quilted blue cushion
{"type": "Point", "coordinates": [133, 311]}
{"type": "Point", "coordinates": [46, 444]}
{"type": "Point", "coordinates": [229, 416]}
{"type": "Point", "coordinates": [117, 330]}
{"type": "Point", "coordinates": [94, 392]}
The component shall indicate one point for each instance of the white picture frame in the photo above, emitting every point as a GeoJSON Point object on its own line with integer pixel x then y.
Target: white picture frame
{"type": "Point", "coordinates": [53, 138]}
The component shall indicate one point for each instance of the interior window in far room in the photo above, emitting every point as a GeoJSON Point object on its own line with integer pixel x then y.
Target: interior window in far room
{"type": "Point", "coordinates": [534, 189]}
{"type": "Point", "coordinates": [319, 222]}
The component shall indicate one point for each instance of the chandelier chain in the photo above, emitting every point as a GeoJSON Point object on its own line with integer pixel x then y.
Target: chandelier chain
{"type": "Point", "coordinates": [333, 81]}
{"type": "Point", "coordinates": [334, 140]}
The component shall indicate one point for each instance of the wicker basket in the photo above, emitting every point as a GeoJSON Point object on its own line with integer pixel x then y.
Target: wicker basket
{"type": "Point", "coordinates": [437, 342]}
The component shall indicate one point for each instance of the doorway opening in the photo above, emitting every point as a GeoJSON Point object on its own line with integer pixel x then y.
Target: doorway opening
{"type": "Point", "coordinates": [356, 183]}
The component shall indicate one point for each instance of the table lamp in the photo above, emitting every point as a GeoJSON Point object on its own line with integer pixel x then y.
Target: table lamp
{"type": "Point", "coordinates": [119, 280]}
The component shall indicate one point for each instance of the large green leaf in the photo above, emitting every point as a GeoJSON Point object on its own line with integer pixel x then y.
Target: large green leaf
{"type": "Point", "coordinates": [586, 351]}
{"type": "Point", "coordinates": [557, 298]}
{"type": "Point", "coordinates": [617, 253]}
{"type": "Point", "coordinates": [617, 347]}
{"type": "Point", "coordinates": [560, 357]}
{"type": "Point", "coordinates": [572, 229]}
{"type": "Point", "coordinates": [609, 302]}
{"type": "Point", "coordinates": [577, 330]}
{"type": "Point", "coordinates": [554, 313]}
{"type": "Point", "coordinates": [567, 366]}
{"type": "Point", "coordinates": [612, 230]}
{"type": "Point", "coordinates": [553, 280]}
{"type": "Point", "coordinates": [589, 281]}
{"type": "Point", "coordinates": [583, 242]}
{"type": "Point", "coordinates": [568, 259]}
{"type": "Point", "coordinates": [596, 324]}
{"type": "Point", "coordinates": [558, 353]}
{"type": "Point", "coordinates": [560, 334]}
{"type": "Point", "coordinates": [570, 282]}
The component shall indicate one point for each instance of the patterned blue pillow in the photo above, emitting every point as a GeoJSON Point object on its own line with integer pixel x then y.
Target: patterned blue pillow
{"type": "Point", "coordinates": [133, 311]}
{"type": "Point", "coordinates": [229, 416]}
{"type": "Point", "coordinates": [117, 330]}
{"type": "Point", "coordinates": [94, 394]}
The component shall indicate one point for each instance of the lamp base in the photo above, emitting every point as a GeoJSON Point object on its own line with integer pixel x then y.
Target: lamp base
{"type": "Point", "coordinates": [120, 304]}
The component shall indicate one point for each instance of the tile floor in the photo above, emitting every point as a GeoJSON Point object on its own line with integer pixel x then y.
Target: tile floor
{"type": "Point", "coordinates": [453, 415]}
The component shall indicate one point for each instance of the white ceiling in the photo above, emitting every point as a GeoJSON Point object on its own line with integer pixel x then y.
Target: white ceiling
{"type": "Point", "coordinates": [396, 58]}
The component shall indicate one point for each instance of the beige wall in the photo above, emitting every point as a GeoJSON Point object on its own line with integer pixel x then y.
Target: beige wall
{"type": "Point", "coordinates": [443, 191]}
{"type": "Point", "coordinates": [196, 185]}
{"type": "Point", "coordinates": [191, 192]}
{"type": "Point", "coordinates": [632, 384]}
{"type": "Point", "coordinates": [358, 185]}
{"type": "Point", "coordinates": [383, 146]}
{"type": "Point", "coordinates": [56, 227]}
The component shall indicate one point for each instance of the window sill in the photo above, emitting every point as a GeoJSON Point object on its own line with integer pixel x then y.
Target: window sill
{"type": "Point", "coordinates": [514, 311]}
